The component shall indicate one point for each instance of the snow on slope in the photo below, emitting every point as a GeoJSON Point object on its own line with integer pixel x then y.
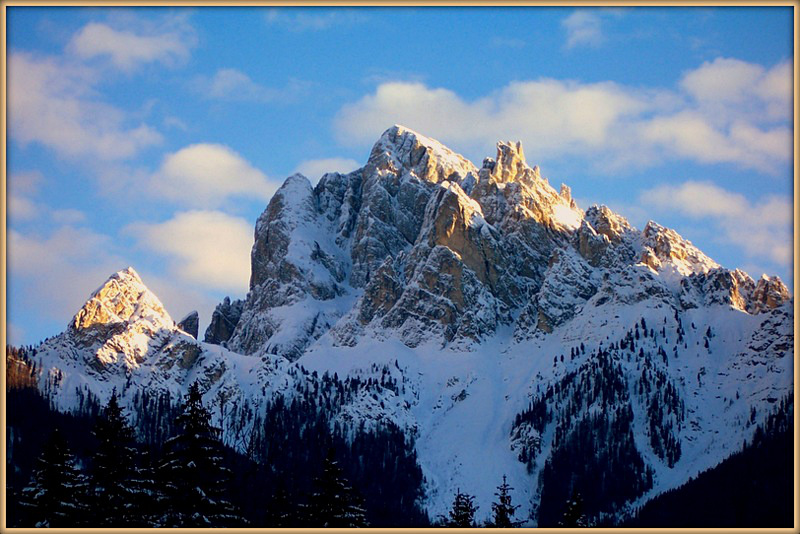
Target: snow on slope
{"type": "Point", "coordinates": [473, 281]}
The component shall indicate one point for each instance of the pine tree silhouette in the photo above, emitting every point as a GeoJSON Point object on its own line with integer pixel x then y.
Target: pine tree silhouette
{"type": "Point", "coordinates": [334, 503]}
{"type": "Point", "coordinates": [192, 472]}
{"type": "Point", "coordinates": [56, 496]}
{"type": "Point", "coordinates": [573, 514]}
{"type": "Point", "coordinates": [462, 515]}
{"type": "Point", "coordinates": [113, 492]}
{"type": "Point", "coordinates": [503, 510]}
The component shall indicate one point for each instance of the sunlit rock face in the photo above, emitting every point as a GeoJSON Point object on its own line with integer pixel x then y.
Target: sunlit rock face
{"type": "Point", "coordinates": [422, 245]}
{"type": "Point", "coordinates": [480, 308]}
{"type": "Point", "coordinates": [121, 327]}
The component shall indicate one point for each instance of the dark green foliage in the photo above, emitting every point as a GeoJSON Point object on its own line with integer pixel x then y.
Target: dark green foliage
{"type": "Point", "coordinates": [573, 513]}
{"type": "Point", "coordinates": [29, 422]}
{"type": "Point", "coordinates": [380, 462]}
{"type": "Point", "coordinates": [286, 443]}
{"type": "Point", "coordinates": [599, 456]}
{"type": "Point", "coordinates": [503, 510]}
{"type": "Point", "coordinates": [665, 411]}
{"type": "Point", "coordinates": [462, 514]}
{"type": "Point", "coordinates": [192, 473]}
{"type": "Point", "coordinates": [56, 496]}
{"type": "Point", "coordinates": [752, 488]}
{"type": "Point", "coordinates": [593, 446]}
{"type": "Point", "coordinates": [334, 503]}
{"type": "Point", "coordinates": [118, 485]}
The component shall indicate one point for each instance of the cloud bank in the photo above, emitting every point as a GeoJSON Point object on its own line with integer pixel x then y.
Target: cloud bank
{"type": "Point", "coordinates": [614, 125]}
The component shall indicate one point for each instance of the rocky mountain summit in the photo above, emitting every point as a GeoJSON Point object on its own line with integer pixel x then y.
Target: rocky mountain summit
{"type": "Point", "coordinates": [478, 310]}
{"type": "Point", "coordinates": [421, 245]}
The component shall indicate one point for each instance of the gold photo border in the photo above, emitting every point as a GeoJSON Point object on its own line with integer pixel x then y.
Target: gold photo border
{"type": "Point", "coordinates": [5, 4]}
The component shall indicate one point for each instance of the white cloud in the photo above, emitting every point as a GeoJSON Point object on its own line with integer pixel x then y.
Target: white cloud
{"type": "Point", "coordinates": [168, 43]}
{"type": "Point", "coordinates": [20, 187]}
{"type": "Point", "coordinates": [58, 272]}
{"type": "Point", "coordinates": [584, 28]}
{"type": "Point", "coordinates": [616, 126]}
{"type": "Point", "coordinates": [209, 249]}
{"type": "Point", "coordinates": [551, 114]}
{"type": "Point", "coordinates": [175, 122]}
{"type": "Point", "coordinates": [235, 85]}
{"type": "Point", "coordinates": [207, 175]}
{"type": "Point", "coordinates": [180, 298]}
{"type": "Point", "coordinates": [67, 216]}
{"type": "Point", "coordinates": [53, 103]}
{"type": "Point", "coordinates": [51, 276]}
{"type": "Point", "coordinates": [314, 19]}
{"type": "Point", "coordinates": [315, 168]}
{"type": "Point", "coordinates": [25, 182]}
{"type": "Point", "coordinates": [761, 229]}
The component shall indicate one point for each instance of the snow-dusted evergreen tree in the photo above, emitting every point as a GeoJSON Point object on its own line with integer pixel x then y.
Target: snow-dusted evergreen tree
{"type": "Point", "coordinates": [502, 510]}
{"type": "Point", "coordinates": [462, 515]}
{"type": "Point", "coordinates": [56, 497]}
{"type": "Point", "coordinates": [118, 485]}
{"type": "Point", "coordinates": [573, 514]}
{"type": "Point", "coordinates": [281, 511]}
{"type": "Point", "coordinates": [192, 472]}
{"type": "Point", "coordinates": [334, 503]}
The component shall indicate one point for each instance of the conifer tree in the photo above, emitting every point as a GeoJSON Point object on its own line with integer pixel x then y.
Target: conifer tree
{"type": "Point", "coordinates": [116, 481]}
{"type": "Point", "coordinates": [192, 471]}
{"type": "Point", "coordinates": [503, 510]}
{"type": "Point", "coordinates": [573, 513]}
{"type": "Point", "coordinates": [462, 515]}
{"type": "Point", "coordinates": [334, 502]}
{"type": "Point", "coordinates": [281, 510]}
{"type": "Point", "coordinates": [55, 497]}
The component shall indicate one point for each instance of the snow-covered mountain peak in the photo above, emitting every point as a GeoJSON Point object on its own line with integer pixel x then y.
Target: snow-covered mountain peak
{"type": "Point", "coordinates": [401, 149]}
{"type": "Point", "coordinates": [513, 322]}
{"type": "Point", "coordinates": [608, 223]}
{"type": "Point", "coordinates": [123, 298]}
{"type": "Point", "coordinates": [770, 292]}
{"type": "Point", "coordinates": [510, 163]}
{"type": "Point", "coordinates": [666, 250]}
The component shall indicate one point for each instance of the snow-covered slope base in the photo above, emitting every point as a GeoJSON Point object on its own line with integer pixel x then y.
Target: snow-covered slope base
{"type": "Point", "coordinates": [479, 310]}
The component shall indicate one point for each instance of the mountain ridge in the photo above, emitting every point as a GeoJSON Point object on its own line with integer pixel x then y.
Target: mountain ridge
{"type": "Point", "coordinates": [468, 286]}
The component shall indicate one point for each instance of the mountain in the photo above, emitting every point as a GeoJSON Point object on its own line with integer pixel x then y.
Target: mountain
{"type": "Point", "coordinates": [479, 310]}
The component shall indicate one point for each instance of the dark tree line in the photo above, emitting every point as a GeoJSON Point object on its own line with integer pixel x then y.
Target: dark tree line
{"type": "Point", "coordinates": [273, 485]}
{"type": "Point", "coordinates": [752, 488]}
{"type": "Point", "coordinates": [121, 488]}
{"type": "Point", "coordinates": [463, 509]}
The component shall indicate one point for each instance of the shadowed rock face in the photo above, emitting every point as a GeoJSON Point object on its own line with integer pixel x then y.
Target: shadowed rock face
{"type": "Point", "coordinates": [223, 321]}
{"type": "Point", "coordinates": [190, 324]}
{"type": "Point", "coordinates": [422, 245]}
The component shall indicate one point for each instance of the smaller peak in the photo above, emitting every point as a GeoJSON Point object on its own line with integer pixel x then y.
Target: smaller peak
{"type": "Point", "coordinates": [565, 192]}
{"type": "Point", "coordinates": [128, 273]}
{"type": "Point", "coordinates": [770, 292]}
{"type": "Point", "coordinates": [190, 324]}
{"type": "Point", "coordinates": [294, 185]}
{"type": "Point", "coordinates": [606, 221]}
{"type": "Point", "coordinates": [506, 149]}
{"type": "Point", "coordinates": [670, 247]}
{"type": "Point", "coordinates": [401, 149]}
{"type": "Point", "coordinates": [510, 164]}
{"type": "Point", "coordinates": [296, 178]}
{"type": "Point", "coordinates": [653, 227]}
{"type": "Point", "coordinates": [399, 129]}
{"type": "Point", "coordinates": [122, 298]}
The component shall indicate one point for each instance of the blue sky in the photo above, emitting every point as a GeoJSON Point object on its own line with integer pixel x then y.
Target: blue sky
{"type": "Point", "coordinates": [154, 137]}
